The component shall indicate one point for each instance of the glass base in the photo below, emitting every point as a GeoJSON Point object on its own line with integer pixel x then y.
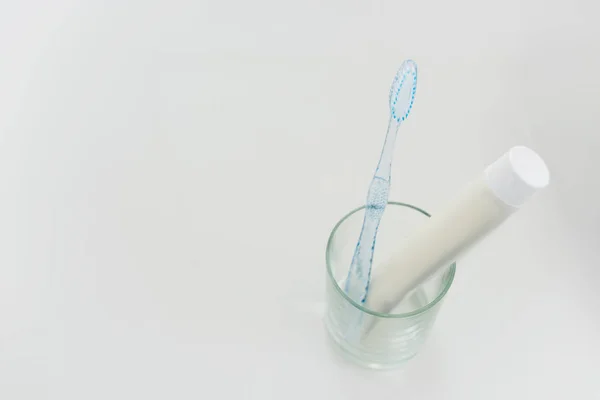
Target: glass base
{"type": "Point", "coordinates": [342, 349]}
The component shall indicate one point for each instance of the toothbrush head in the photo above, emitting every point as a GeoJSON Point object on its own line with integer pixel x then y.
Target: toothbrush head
{"type": "Point", "coordinates": [402, 92]}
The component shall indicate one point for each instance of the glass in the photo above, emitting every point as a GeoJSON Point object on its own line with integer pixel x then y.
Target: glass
{"type": "Point", "coordinates": [372, 339]}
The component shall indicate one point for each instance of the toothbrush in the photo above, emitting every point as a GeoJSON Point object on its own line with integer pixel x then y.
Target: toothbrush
{"type": "Point", "coordinates": [401, 98]}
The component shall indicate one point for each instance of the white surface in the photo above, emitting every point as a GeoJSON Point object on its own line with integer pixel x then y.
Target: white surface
{"type": "Point", "coordinates": [171, 171]}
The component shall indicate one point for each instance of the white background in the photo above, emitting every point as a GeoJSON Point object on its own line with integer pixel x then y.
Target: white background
{"type": "Point", "coordinates": [170, 172]}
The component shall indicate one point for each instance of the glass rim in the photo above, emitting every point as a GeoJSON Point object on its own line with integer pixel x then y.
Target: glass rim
{"type": "Point", "coordinates": [451, 271]}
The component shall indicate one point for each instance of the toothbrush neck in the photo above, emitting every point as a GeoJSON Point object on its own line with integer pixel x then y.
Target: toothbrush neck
{"type": "Point", "coordinates": [384, 168]}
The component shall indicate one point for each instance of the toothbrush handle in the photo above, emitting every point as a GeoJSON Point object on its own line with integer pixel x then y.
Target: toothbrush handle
{"type": "Point", "coordinates": [360, 270]}
{"type": "Point", "coordinates": [359, 275]}
{"type": "Point", "coordinates": [363, 255]}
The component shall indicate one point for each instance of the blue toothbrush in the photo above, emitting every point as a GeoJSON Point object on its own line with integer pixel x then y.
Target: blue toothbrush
{"type": "Point", "coordinates": [402, 95]}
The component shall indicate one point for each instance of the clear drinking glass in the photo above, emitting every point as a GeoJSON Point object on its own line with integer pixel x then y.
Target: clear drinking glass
{"type": "Point", "coordinates": [369, 338]}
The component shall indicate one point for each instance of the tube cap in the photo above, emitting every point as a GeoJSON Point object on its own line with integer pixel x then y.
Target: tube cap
{"type": "Point", "coordinates": [518, 174]}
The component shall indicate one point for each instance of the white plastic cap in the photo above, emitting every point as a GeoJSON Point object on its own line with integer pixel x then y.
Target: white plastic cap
{"type": "Point", "coordinates": [518, 174]}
